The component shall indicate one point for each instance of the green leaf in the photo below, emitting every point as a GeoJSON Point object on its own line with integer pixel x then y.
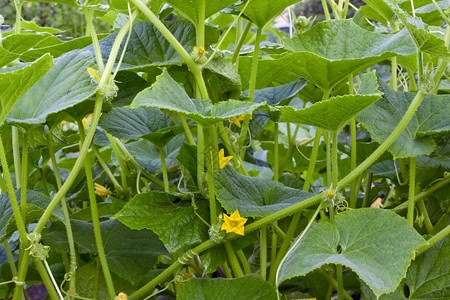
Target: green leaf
{"type": "Point", "coordinates": [13, 46]}
{"type": "Point", "coordinates": [382, 117]}
{"type": "Point", "coordinates": [65, 85]}
{"type": "Point", "coordinates": [149, 48]}
{"type": "Point", "coordinates": [331, 50]}
{"type": "Point", "coordinates": [36, 204]}
{"type": "Point", "coordinates": [262, 11]}
{"type": "Point", "coordinates": [129, 84]}
{"type": "Point", "coordinates": [190, 8]}
{"type": "Point", "coordinates": [14, 84]}
{"type": "Point", "coordinates": [127, 123]}
{"type": "Point", "coordinates": [331, 114]}
{"type": "Point", "coordinates": [252, 196]}
{"type": "Point", "coordinates": [175, 223]}
{"type": "Point", "coordinates": [242, 288]}
{"type": "Point", "coordinates": [167, 94]}
{"type": "Point", "coordinates": [430, 14]}
{"type": "Point", "coordinates": [362, 240]}
{"type": "Point", "coordinates": [130, 253]}
{"type": "Point", "coordinates": [424, 40]}
{"type": "Point", "coordinates": [274, 95]}
{"type": "Point", "coordinates": [429, 275]}
{"type": "Point", "coordinates": [69, 2]}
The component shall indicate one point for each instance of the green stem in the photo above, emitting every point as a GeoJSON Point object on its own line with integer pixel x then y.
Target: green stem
{"type": "Point", "coordinates": [10, 257]}
{"type": "Point", "coordinates": [211, 193]}
{"type": "Point", "coordinates": [16, 155]}
{"type": "Point", "coordinates": [164, 169]}
{"type": "Point", "coordinates": [200, 158]}
{"type": "Point", "coordinates": [194, 68]}
{"type": "Point", "coordinates": [325, 9]}
{"type": "Point", "coordinates": [263, 252]}
{"type": "Point", "coordinates": [233, 260]}
{"type": "Point", "coordinates": [200, 26]}
{"type": "Point", "coordinates": [280, 233]}
{"type": "Point", "coordinates": [353, 163]}
{"type": "Point", "coordinates": [124, 174]}
{"type": "Point", "coordinates": [88, 14]}
{"type": "Point", "coordinates": [96, 222]}
{"type": "Point", "coordinates": [412, 80]}
{"type": "Point", "coordinates": [273, 248]}
{"type": "Point", "coordinates": [44, 182]}
{"type": "Point", "coordinates": [18, 5]}
{"type": "Point", "coordinates": [423, 194]}
{"type": "Point", "coordinates": [312, 160]}
{"type": "Point", "coordinates": [340, 282]}
{"type": "Point", "coordinates": [333, 282]}
{"type": "Point", "coordinates": [46, 280]}
{"type": "Point", "coordinates": [335, 159]}
{"type": "Point", "coordinates": [240, 254]}
{"type": "Point", "coordinates": [436, 238]}
{"type": "Point", "coordinates": [237, 162]}
{"type": "Point", "coordinates": [275, 154]}
{"type": "Point", "coordinates": [412, 190]}
{"type": "Point", "coordinates": [251, 92]}
{"type": "Point", "coordinates": [70, 240]}
{"type": "Point", "coordinates": [96, 279]}
{"type": "Point", "coordinates": [226, 270]}
{"type": "Point", "coordinates": [24, 175]}
{"type": "Point", "coordinates": [241, 41]}
{"type": "Point", "coordinates": [424, 212]}
{"type": "Point", "coordinates": [105, 167]}
{"type": "Point", "coordinates": [328, 138]}
{"type": "Point", "coordinates": [187, 130]}
{"type": "Point", "coordinates": [214, 146]}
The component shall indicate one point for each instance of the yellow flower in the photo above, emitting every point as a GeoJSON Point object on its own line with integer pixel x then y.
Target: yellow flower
{"type": "Point", "coordinates": [329, 194]}
{"type": "Point", "coordinates": [95, 75]}
{"type": "Point", "coordinates": [201, 51]}
{"type": "Point", "coordinates": [223, 160]}
{"type": "Point", "coordinates": [101, 190]}
{"type": "Point", "coordinates": [377, 203]}
{"type": "Point", "coordinates": [121, 296]}
{"type": "Point", "coordinates": [238, 120]}
{"type": "Point", "coordinates": [234, 223]}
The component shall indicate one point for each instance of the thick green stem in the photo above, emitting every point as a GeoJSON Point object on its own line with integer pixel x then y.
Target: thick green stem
{"type": "Point", "coordinates": [412, 190]}
{"type": "Point", "coordinates": [16, 156]}
{"type": "Point", "coordinates": [70, 240]}
{"type": "Point", "coordinates": [233, 260]}
{"type": "Point", "coordinates": [200, 26]}
{"type": "Point", "coordinates": [426, 217]}
{"type": "Point", "coordinates": [105, 167]}
{"type": "Point", "coordinates": [226, 270]}
{"type": "Point", "coordinates": [353, 163]}
{"type": "Point", "coordinates": [164, 169]}
{"type": "Point", "coordinates": [367, 190]}
{"type": "Point", "coordinates": [423, 194]}
{"type": "Point", "coordinates": [340, 282]}
{"type": "Point", "coordinates": [214, 146]}
{"type": "Point", "coordinates": [412, 80]}
{"type": "Point", "coordinates": [46, 280]}
{"type": "Point", "coordinates": [275, 154]}
{"type": "Point", "coordinates": [325, 9]}
{"type": "Point", "coordinates": [200, 158]}
{"type": "Point", "coordinates": [24, 175]}
{"type": "Point", "coordinates": [209, 170]}
{"type": "Point", "coordinates": [240, 254]}
{"type": "Point", "coordinates": [436, 238]}
{"type": "Point", "coordinates": [194, 68]}
{"type": "Point", "coordinates": [88, 14]}
{"type": "Point", "coordinates": [312, 160]}
{"type": "Point", "coordinates": [251, 92]}
{"type": "Point", "coordinates": [263, 252]}
{"type": "Point", "coordinates": [96, 222]}
{"type": "Point", "coordinates": [10, 257]}
{"type": "Point", "coordinates": [187, 130]}
{"type": "Point", "coordinates": [273, 248]}
{"type": "Point", "coordinates": [240, 43]}
{"type": "Point", "coordinates": [335, 159]}
{"type": "Point", "coordinates": [124, 174]}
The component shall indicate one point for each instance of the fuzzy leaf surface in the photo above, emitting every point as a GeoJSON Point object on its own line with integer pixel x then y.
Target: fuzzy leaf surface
{"type": "Point", "coordinates": [262, 11]}
{"type": "Point", "coordinates": [175, 223]}
{"type": "Point", "coordinates": [368, 245]}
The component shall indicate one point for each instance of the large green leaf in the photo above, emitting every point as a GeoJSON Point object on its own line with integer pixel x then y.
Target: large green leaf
{"type": "Point", "coordinates": [14, 84]}
{"type": "Point", "coordinates": [127, 123]}
{"type": "Point", "coordinates": [262, 11]}
{"type": "Point", "coordinates": [274, 95]}
{"type": "Point", "coordinates": [190, 8]}
{"type": "Point", "coordinates": [424, 40]}
{"type": "Point", "coordinates": [36, 205]}
{"type": "Point", "coordinates": [130, 253]}
{"type": "Point", "coordinates": [429, 275]}
{"type": "Point", "coordinates": [175, 223]}
{"type": "Point", "coordinates": [332, 114]}
{"type": "Point", "coordinates": [65, 85]}
{"type": "Point", "coordinates": [330, 51]}
{"type": "Point", "coordinates": [252, 196]}
{"type": "Point", "coordinates": [363, 240]}
{"type": "Point", "coordinates": [149, 48]}
{"type": "Point", "coordinates": [248, 287]}
{"type": "Point", "coordinates": [382, 117]}
{"type": "Point", "coordinates": [167, 94]}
